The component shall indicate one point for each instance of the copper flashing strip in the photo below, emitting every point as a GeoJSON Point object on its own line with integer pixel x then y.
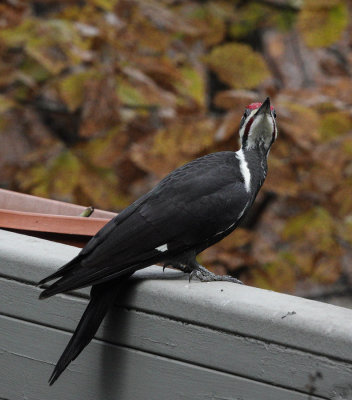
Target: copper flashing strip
{"type": "Point", "coordinates": [10, 200]}
{"type": "Point", "coordinates": [51, 223]}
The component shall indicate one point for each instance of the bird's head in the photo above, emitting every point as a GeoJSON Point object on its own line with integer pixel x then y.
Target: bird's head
{"type": "Point", "coordinates": [258, 126]}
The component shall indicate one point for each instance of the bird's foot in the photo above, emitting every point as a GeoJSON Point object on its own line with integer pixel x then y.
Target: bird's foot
{"type": "Point", "coordinates": [179, 266]}
{"type": "Point", "coordinates": [206, 276]}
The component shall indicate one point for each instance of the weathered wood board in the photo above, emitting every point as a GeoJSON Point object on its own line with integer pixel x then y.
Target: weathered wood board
{"type": "Point", "coordinates": [167, 338]}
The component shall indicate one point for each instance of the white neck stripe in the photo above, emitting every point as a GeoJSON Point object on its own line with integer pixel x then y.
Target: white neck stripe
{"type": "Point", "coordinates": [244, 169]}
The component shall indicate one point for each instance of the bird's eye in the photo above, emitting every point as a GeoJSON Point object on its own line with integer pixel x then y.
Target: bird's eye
{"type": "Point", "coordinates": [274, 114]}
{"type": "Point", "coordinates": [245, 115]}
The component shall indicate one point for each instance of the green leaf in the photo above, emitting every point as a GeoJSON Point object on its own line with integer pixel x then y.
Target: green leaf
{"type": "Point", "coordinates": [322, 22]}
{"type": "Point", "coordinates": [247, 19]}
{"type": "Point", "coordinates": [71, 88]}
{"type": "Point", "coordinates": [129, 94]}
{"type": "Point", "coordinates": [19, 35]}
{"type": "Point", "coordinates": [6, 104]}
{"type": "Point", "coordinates": [34, 69]}
{"type": "Point", "coordinates": [334, 124]}
{"type": "Point", "coordinates": [64, 173]}
{"type": "Point", "coordinates": [104, 4]}
{"type": "Point", "coordinates": [237, 65]}
{"type": "Point", "coordinates": [316, 226]}
{"type": "Point", "coordinates": [53, 43]}
{"type": "Point", "coordinates": [192, 84]}
{"type": "Point", "coordinates": [254, 16]}
{"type": "Point", "coordinates": [209, 20]}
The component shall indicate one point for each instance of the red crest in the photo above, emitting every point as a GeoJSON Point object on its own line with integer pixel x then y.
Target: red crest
{"type": "Point", "coordinates": [254, 106]}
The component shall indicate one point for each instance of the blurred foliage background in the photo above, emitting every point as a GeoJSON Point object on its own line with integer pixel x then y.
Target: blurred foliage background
{"type": "Point", "coordinates": [99, 99]}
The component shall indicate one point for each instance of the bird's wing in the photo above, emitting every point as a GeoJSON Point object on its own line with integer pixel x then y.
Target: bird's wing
{"type": "Point", "coordinates": [197, 200]}
{"type": "Point", "coordinates": [187, 207]}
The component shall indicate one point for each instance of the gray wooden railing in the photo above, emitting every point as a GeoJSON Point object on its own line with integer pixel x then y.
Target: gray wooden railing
{"type": "Point", "coordinates": [167, 338]}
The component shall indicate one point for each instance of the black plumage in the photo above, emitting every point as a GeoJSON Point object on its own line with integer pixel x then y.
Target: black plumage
{"type": "Point", "coordinates": [192, 208]}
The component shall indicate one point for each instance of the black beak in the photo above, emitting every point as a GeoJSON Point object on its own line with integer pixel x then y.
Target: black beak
{"type": "Point", "coordinates": [264, 108]}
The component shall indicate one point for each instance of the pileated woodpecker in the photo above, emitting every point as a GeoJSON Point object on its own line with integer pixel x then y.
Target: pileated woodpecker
{"type": "Point", "coordinates": [192, 208]}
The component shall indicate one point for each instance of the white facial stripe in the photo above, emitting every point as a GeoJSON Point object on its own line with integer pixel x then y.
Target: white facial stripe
{"type": "Point", "coordinates": [162, 248]}
{"type": "Point", "coordinates": [247, 119]}
{"type": "Point", "coordinates": [244, 169]}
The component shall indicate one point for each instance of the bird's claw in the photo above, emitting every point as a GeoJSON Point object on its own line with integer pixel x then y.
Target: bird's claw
{"type": "Point", "coordinates": [179, 266]}
{"type": "Point", "coordinates": [165, 265]}
{"type": "Point", "coordinates": [192, 274]}
{"type": "Point", "coordinates": [206, 276]}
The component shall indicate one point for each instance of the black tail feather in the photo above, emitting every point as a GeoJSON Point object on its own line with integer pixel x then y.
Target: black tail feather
{"type": "Point", "coordinates": [61, 271]}
{"type": "Point", "coordinates": [73, 280]}
{"type": "Point", "coordinates": [102, 298]}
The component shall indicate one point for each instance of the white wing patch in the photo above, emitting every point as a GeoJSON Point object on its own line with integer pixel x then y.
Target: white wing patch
{"type": "Point", "coordinates": [162, 248]}
{"type": "Point", "coordinates": [244, 169]}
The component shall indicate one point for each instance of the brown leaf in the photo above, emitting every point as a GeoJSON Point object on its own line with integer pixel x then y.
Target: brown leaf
{"type": "Point", "coordinates": [100, 109]}
{"type": "Point", "coordinates": [235, 99]}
